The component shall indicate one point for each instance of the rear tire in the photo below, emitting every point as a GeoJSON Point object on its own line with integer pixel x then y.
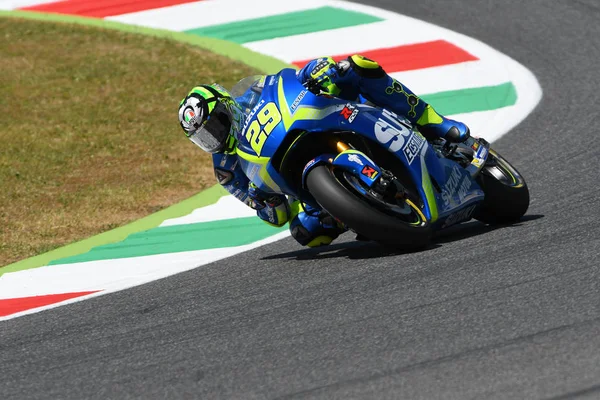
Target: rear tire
{"type": "Point", "coordinates": [362, 217]}
{"type": "Point", "coordinates": [506, 193]}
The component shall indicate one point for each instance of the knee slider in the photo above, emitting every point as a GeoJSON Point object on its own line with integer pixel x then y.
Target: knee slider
{"type": "Point", "coordinates": [301, 234]}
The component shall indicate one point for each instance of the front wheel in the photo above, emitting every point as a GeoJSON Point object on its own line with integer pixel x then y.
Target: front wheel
{"type": "Point", "coordinates": [363, 218]}
{"type": "Point", "coordinates": [506, 194]}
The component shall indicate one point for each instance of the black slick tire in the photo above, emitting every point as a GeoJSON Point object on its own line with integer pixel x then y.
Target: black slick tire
{"type": "Point", "coordinates": [361, 217]}
{"type": "Point", "coordinates": [503, 203]}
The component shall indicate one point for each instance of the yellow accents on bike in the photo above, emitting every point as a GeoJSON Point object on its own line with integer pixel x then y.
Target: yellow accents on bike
{"type": "Point", "coordinates": [364, 62]}
{"type": "Point", "coordinates": [252, 158]}
{"type": "Point", "coordinates": [429, 116]}
{"type": "Point", "coordinates": [350, 151]}
{"type": "Point", "coordinates": [428, 189]}
{"type": "Point", "coordinates": [261, 127]}
{"type": "Point", "coordinates": [302, 113]}
{"type": "Point", "coordinates": [414, 207]}
{"type": "Point", "coordinates": [284, 107]}
{"type": "Point", "coordinates": [507, 168]}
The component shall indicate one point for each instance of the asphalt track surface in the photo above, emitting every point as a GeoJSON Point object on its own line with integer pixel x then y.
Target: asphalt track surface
{"type": "Point", "coordinates": [505, 313]}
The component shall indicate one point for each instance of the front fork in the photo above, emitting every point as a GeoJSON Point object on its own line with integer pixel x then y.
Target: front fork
{"type": "Point", "coordinates": [348, 159]}
{"type": "Point", "coordinates": [379, 184]}
{"type": "Point", "coordinates": [375, 179]}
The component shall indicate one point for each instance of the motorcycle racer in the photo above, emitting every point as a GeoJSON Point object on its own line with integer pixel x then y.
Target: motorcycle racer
{"type": "Point", "coordinates": [211, 117]}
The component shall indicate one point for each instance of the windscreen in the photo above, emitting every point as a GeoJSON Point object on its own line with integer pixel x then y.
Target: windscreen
{"type": "Point", "coordinates": [247, 92]}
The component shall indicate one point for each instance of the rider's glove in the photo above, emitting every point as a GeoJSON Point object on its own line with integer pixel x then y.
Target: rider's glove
{"type": "Point", "coordinates": [323, 77]}
{"type": "Point", "coordinates": [260, 199]}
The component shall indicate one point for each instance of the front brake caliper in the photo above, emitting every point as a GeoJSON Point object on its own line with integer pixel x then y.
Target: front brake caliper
{"type": "Point", "coordinates": [389, 187]}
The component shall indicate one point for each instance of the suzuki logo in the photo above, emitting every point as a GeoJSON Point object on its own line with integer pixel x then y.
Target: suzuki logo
{"type": "Point", "coordinates": [392, 137]}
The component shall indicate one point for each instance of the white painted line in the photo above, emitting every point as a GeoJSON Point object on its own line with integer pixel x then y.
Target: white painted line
{"type": "Point", "coordinates": [227, 207]}
{"type": "Point", "coordinates": [378, 12]}
{"type": "Point", "coordinates": [472, 74]}
{"type": "Point", "coordinates": [13, 4]}
{"type": "Point", "coordinates": [110, 275]}
{"type": "Point", "coordinates": [103, 274]}
{"type": "Point", "coordinates": [353, 39]}
{"type": "Point", "coordinates": [490, 125]}
{"type": "Point", "coordinates": [211, 12]}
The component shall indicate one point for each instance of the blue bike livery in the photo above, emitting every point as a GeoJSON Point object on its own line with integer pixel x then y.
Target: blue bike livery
{"type": "Point", "coordinates": [368, 167]}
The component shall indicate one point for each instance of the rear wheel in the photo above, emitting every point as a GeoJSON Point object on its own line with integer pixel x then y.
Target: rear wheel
{"type": "Point", "coordinates": [506, 193]}
{"type": "Point", "coordinates": [399, 225]}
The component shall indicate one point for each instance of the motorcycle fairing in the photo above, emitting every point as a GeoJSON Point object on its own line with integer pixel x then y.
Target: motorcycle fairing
{"type": "Point", "coordinates": [286, 105]}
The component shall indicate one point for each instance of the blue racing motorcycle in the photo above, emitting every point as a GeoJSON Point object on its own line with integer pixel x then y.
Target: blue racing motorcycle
{"type": "Point", "coordinates": [369, 168]}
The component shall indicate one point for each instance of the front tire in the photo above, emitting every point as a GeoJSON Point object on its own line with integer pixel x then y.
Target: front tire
{"type": "Point", "coordinates": [506, 193]}
{"type": "Point", "coordinates": [362, 217]}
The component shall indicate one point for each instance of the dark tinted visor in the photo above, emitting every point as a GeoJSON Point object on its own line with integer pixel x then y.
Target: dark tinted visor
{"type": "Point", "coordinates": [212, 136]}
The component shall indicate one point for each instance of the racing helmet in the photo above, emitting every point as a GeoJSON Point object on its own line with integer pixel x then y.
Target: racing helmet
{"type": "Point", "coordinates": [207, 115]}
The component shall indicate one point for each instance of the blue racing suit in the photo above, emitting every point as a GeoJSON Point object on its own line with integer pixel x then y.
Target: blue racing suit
{"type": "Point", "coordinates": [356, 78]}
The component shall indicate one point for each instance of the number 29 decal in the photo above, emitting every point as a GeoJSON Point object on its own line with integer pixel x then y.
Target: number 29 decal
{"type": "Point", "coordinates": [261, 127]}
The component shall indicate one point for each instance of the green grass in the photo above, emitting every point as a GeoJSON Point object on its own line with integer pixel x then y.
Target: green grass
{"type": "Point", "coordinates": [89, 138]}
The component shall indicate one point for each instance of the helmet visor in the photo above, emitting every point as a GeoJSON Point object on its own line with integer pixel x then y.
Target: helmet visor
{"type": "Point", "coordinates": [212, 135]}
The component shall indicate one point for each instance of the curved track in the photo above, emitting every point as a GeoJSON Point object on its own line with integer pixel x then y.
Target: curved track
{"type": "Point", "coordinates": [512, 312]}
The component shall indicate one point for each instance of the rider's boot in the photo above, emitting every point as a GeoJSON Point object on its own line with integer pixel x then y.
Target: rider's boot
{"type": "Point", "coordinates": [312, 227]}
{"type": "Point", "coordinates": [401, 100]}
{"type": "Point", "coordinates": [430, 123]}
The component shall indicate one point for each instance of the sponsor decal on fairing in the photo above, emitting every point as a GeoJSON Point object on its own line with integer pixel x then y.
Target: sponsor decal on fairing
{"type": "Point", "coordinates": [369, 172]}
{"type": "Point", "coordinates": [252, 114]}
{"type": "Point", "coordinates": [349, 112]}
{"type": "Point", "coordinates": [296, 102]}
{"type": "Point", "coordinates": [354, 158]}
{"type": "Point", "coordinates": [456, 185]}
{"type": "Point", "coordinates": [412, 147]}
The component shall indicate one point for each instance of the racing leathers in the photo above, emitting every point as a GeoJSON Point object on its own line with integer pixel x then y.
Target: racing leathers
{"type": "Point", "coordinates": [358, 78]}
{"type": "Point", "coordinates": [354, 79]}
